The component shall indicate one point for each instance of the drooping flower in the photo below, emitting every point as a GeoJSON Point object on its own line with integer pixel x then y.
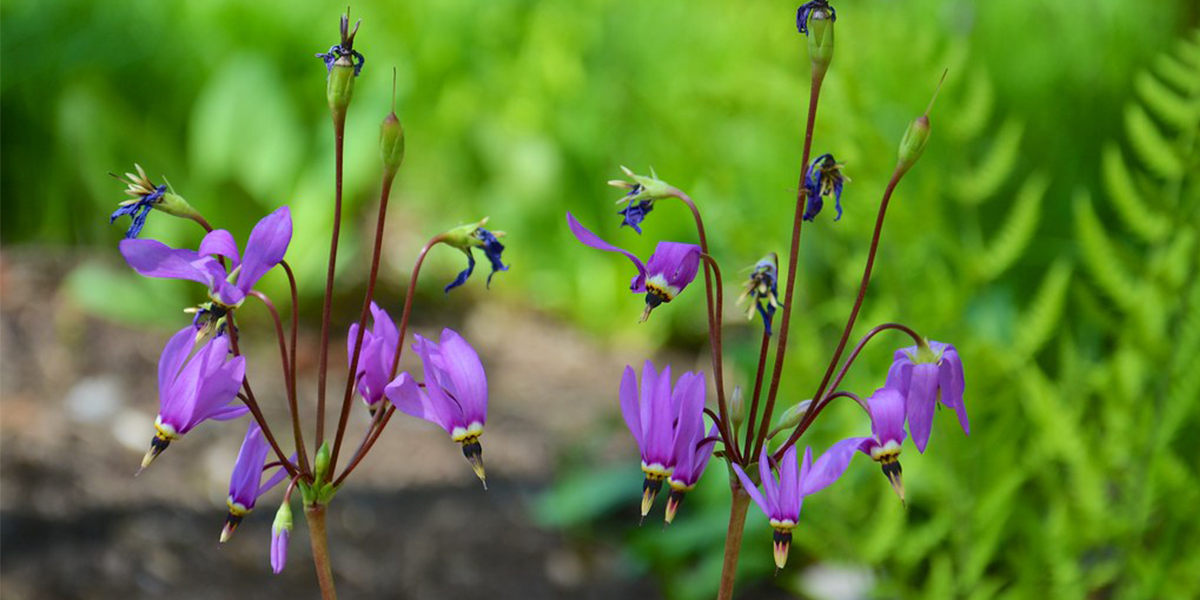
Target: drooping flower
{"type": "Point", "coordinates": [191, 393]}
{"type": "Point", "coordinates": [281, 531]}
{"type": "Point", "coordinates": [147, 196]}
{"type": "Point", "coordinates": [246, 485]}
{"type": "Point", "coordinates": [762, 290]}
{"type": "Point", "coordinates": [670, 269]}
{"type": "Point", "coordinates": [375, 356]}
{"type": "Point", "coordinates": [639, 200]}
{"type": "Point", "coordinates": [475, 236]}
{"type": "Point", "coordinates": [824, 178]}
{"type": "Point", "coordinates": [925, 375]}
{"type": "Point", "coordinates": [782, 498]}
{"type": "Point", "coordinates": [345, 49]}
{"type": "Point", "coordinates": [664, 422]}
{"type": "Point", "coordinates": [807, 9]}
{"type": "Point", "coordinates": [454, 394]}
{"type": "Point", "coordinates": [690, 464]}
{"type": "Point", "coordinates": [886, 406]}
{"type": "Point", "coordinates": [227, 288]}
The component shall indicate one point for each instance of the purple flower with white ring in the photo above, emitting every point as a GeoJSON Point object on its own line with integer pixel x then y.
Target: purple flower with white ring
{"type": "Point", "coordinates": [886, 407]}
{"type": "Point", "coordinates": [193, 391]}
{"type": "Point", "coordinates": [690, 465]}
{"type": "Point", "coordinates": [664, 420]}
{"type": "Point", "coordinates": [245, 484]}
{"type": "Point", "coordinates": [782, 498]}
{"type": "Point", "coordinates": [670, 269]}
{"type": "Point", "coordinates": [375, 356]}
{"type": "Point", "coordinates": [925, 375]}
{"type": "Point", "coordinates": [454, 394]}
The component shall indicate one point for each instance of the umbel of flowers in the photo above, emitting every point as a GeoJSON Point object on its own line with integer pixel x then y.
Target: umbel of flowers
{"type": "Point", "coordinates": [202, 371]}
{"type": "Point", "coordinates": [668, 419]}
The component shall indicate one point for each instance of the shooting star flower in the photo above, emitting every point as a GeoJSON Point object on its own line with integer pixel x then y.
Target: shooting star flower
{"type": "Point", "coordinates": [375, 356]}
{"type": "Point", "coordinates": [246, 485]}
{"type": "Point", "coordinates": [925, 375]}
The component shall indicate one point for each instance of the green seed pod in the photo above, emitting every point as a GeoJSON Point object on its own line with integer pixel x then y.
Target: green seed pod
{"type": "Point", "coordinates": [737, 408]}
{"type": "Point", "coordinates": [820, 38]}
{"type": "Point", "coordinates": [340, 87]}
{"type": "Point", "coordinates": [913, 143]}
{"type": "Point", "coordinates": [391, 143]}
{"type": "Point", "coordinates": [321, 464]}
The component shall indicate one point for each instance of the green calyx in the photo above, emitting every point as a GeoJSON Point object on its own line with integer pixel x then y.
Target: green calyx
{"type": "Point", "coordinates": [820, 39]}
{"type": "Point", "coordinates": [283, 517]}
{"type": "Point", "coordinates": [737, 407]}
{"type": "Point", "coordinates": [465, 237]}
{"type": "Point", "coordinates": [391, 142]}
{"type": "Point", "coordinates": [174, 204]}
{"type": "Point", "coordinates": [320, 491]}
{"type": "Point", "coordinates": [339, 88]}
{"type": "Point", "coordinates": [915, 138]}
{"type": "Point", "coordinates": [925, 353]}
{"type": "Point", "coordinates": [649, 187]}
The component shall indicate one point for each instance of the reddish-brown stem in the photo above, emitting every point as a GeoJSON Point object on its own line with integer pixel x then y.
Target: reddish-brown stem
{"type": "Point", "coordinates": [408, 298]}
{"type": "Point", "coordinates": [315, 515]}
{"type": "Point", "coordinates": [728, 433]}
{"type": "Point", "coordinates": [785, 320]}
{"type": "Point", "coordinates": [758, 382]}
{"type": "Point", "coordinates": [863, 342]}
{"type": "Point", "coordinates": [252, 403]}
{"type": "Point", "coordinates": [862, 292]}
{"type": "Point", "coordinates": [339, 131]}
{"type": "Point", "coordinates": [293, 406]}
{"type": "Point", "coordinates": [288, 376]}
{"type": "Point", "coordinates": [373, 432]}
{"type": "Point", "coordinates": [733, 539]}
{"type": "Point", "coordinates": [388, 176]}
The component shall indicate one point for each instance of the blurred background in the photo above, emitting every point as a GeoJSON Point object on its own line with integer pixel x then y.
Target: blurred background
{"type": "Point", "coordinates": [1049, 231]}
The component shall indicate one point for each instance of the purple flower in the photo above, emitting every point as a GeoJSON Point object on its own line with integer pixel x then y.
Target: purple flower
{"type": "Point", "coordinates": [824, 178]}
{"type": "Point", "coordinates": [807, 9]}
{"type": "Point", "coordinates": [281, 531]}
{"type": "Point", "coordinates": [690, 464]}
{"type": "Point", "coordinates": [781, 498]}
{"type": "Point", "coordinates": [227, 288]}
{"type": "Point", "coordinates": [375, 357]}
{"type": "Point", "coordinates": [762, 290]}
{"type": "Point", "coordinates": [454, 394]}
{"type": "Point", "coordinates": [886, 406]}
{"type": "Point", "coordinates": [925, 375]}
{"type": "Point", "coordinates": [635, 212]}
{"type": "Point", "coordinates": [193, 392]}
{"type": "Point", "coordinates": [670, 269]}
{"type": "Point", "coordinates": [665, 423]}
{"type": "Point", "coordinates": [245, 485]}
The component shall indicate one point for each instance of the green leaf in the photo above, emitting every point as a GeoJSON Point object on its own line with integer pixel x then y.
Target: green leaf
{"type": "Point", "coordinates": [1041, 319]}
{"type": "Point", "coordinates": [1101, 257]}
{"type": "Point", "coordinates": [1134, 209]}
{"type": "Point", "coordinates": [974, 109]}
{"type": "Point", "coordinates": [986, 178]}
{"type": "Point", "coordinates": [1018, 229]}
{"type": "Point", "coordinates": [1154, 149]}
{"type": "Point", "coordinates": [1164, 103]}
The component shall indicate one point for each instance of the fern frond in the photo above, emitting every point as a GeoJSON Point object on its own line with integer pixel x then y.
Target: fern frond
{"type": "Point", "coordinates": [1134, 209]}
{"type": "Point", "coordinates": [1154, 149]}
{"type": "Point", "coordinates": [1101, 257]}
{"type": "Point", "coordinates": [1018, 229]}
{"type": "Point", "coordinates": [995, 168]}
{"type": "Point", "coordinates": [1175, 263]}
{"type": "Point", "coordinates": [974, 109]}
{"type": "Point", "coordinates": [1177, 73]}
{"type": "Point", "coordinates": [1040, 320]}
{"type": "Point", "coordinates": [1165, 104]}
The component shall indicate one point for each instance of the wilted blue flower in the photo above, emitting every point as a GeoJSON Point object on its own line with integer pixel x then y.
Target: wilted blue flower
{"type": "Point", "coordinates": [824, 178]}
{"type": "Point", "coordinates": [146, 195]}
{"type": "Point", "coordinates": [807, 9]}
{"type": "Point", "coordinates": [644, 190]}
{"type": "Point", "coordinates": [475, 236]}
{"type": "Point", "coordinates": [763, 290]}
{"type": "Point", "coordinates": [344, 49]}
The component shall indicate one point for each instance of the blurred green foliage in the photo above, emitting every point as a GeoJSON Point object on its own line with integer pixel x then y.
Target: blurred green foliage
{"type": "Point", "coordinates": [1049, 231]}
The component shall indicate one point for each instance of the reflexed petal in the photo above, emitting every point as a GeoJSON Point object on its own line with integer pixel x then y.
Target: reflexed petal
{"type": "Point", "coordinates": [465, 370]}
{"type": "Point", "coordinates": [437, 383]}
{"type": "Point", "coordinates": [220, 242]}
{"type": "Point", "coordinates": [789, 485]}
{"type": "Point", "coordinates": [660, 430]}
{"type": "Point", "coordinates": [753, 491]}
{"type": "Point", "coordinates": [922, 396]}
{"type": "Point", "coordinates": [629, 404]}
{"type": "Point", "coordinates": [228, 413]}
{"type": "Point", "coordinates": [704, 453]}
{"type": "Point", "coordinates": [276, 478]}
{"type": "Point", "coordinates": [646, 403]}
{"type": "Point", "coordinates": [887, 415]}
{"type": "Point", "coordinates": [677, 263]}
{"type": "Point", "coordinates": [219, 387]}
{"type": "Point", "coordinates": [266, 247]}
{"type": "Point", "coordinates": [770, 486]}
{"type": "Point", "coordinates": [689, 397]}
{"type": "Point", "coordinates": [412, 400]}
{"type": "Point", "coordinates": [247, 469]}
{"type": "Point", "coordinates": [151, 258]}
{"type": "Point", "coordinates": [899, 375]}
{"type": "Point", "coordinates": [590, 239]}
{"type": "Point", "coordinates": [830, 466]}
{"type": "Point", "coordinates": [950, 380]}
{"type": "Point", "coordinates": [173, 356]}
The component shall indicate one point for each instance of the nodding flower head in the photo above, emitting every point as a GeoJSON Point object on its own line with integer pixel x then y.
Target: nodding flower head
{"type": "Point", "coordinates": [667, 425]}
{"type": "Point", "coordinates": [886, 406]}
{"type": "Point", "coordinates": [814, 9]}
{"type": "Point", "coordinates": [825, 178]}
{"type": "Point", "coordinates": [146, 197]}
{"type": "Point", "coordinates": [246, 485]}
{"type": "Point", "coordinates": [227, 287]}
{"type": "Point", "coordinates": [762, 290]}
{"type": "Point", "coordinates": [281, 530]}
{"type": "Point", "coordinates": [925, 375]}
{"type": "Point", "coordinates": [782, 497]}
{"type": "Point", "coordinates": [639, 200]}
{"type": "Point", "coordinates": [690, 463]}
{"type": "Point", "coordinates": [670, 269]}
{"type": "Point", "coordinates": [344, 53]}
{"type": "Point", "coordinates": [375, 356]}
{"type": "Point", "coordinates": [475, 236]}
{"type": "Point", "coordinates": [454, 394]}
{"type": "Point", "coordinates": [193, 391]}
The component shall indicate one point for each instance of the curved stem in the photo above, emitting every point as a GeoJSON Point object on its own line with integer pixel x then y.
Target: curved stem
{"type": "Point", "coordinates": [339, 134]}
{"type": "Point", "coordinates": [297, 431]}
{"type": "Point", "coordinates": [863, 342]}
{"type": "Point", "coordinates": [288, 376]}
{"type": "Point", "coordinates": [733, 539]}
{"type": "Point", "coordinates": [408, 298]}
{"type": "Point", "coordinates": [315, 515]}
{"type": "Point", "coordinates": [252, 404]}
{"type": "Point", "coordinates": [862, 292]}
{"type": "Point", "coordinates": [389, 175]}
{"type": "Point", "coordinates": [714, 333]}
{"type": "Point", "coordinates": [758, 382]}
{"type": "Point", "coordinates": [793, 255]}
{"type": "Point", "coordinates": [373, 432]}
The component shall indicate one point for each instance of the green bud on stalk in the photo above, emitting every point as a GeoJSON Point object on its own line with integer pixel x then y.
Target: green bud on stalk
{"type": "Point", "coordinates": [915, 138]}
{"type": "Point", "coordinates": [820, 39]}
{"type": "Point", "coordinates": [737, 408]}
{"type": "Point", "coordinates": [391, 136]}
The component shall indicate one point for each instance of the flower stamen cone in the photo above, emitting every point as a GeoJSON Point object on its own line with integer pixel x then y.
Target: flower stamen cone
{"type": "Point", "coordinates": [891, 470]}
{"type": "Point", "coordinates": [473, 451]}
{"type": "Point", "coordinates": [650, 488]}
{"type": "Point", "coordinates": [782, 542]}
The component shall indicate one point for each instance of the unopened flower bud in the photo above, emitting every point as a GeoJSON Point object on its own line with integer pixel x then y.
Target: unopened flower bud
{"type": "Point", "coordinates": [737, 408]}
{"type": "Point", "coordinates": [820, 17]}
{"type": "Point", "coordinates": [321, 464]}
{"type": "Point", "coordinates": [344, 63]}
{"type": "Point", "coordinates": [281, 531]}
{"type": "Point", "coordinates": [793, 415]}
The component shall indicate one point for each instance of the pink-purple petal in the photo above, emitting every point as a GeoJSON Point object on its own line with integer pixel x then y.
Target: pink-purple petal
{"type": "Point", "coordinates": [412, 400]}
{"type": "Point", "coordinates": [173, 356]}
{"type": "Point", "coordinates": [466, 371]}
{"type": "Point", "coordinates": [219, 242]}
{"type": "Point", "coordinates": [676, 262]}
{"type": "Point", "coordinates": [951, 383]}
{"type": "Point", "coordinates": [789, 485]}
{"type": "Point", "coordinates": [152, 258]}
{"type": "Point", "coordinates": [266, 247]}
{"type": "Point", "coordinates": [919, 405]}
{"type": "Point", "coordinates": [590, 239]}
{"type": "Point", "coordinates": [755, 495]}
{"type": "Point", "coordinates": [830, 466]}
{"type": "Point", "coordinates": [247, 469]}
{"type": "Point", "coordinates": [629, 404]}
{"type": "Point", "coordinates": [770, 486]}
{"type": "Point", "coordinates": [887, 415]}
